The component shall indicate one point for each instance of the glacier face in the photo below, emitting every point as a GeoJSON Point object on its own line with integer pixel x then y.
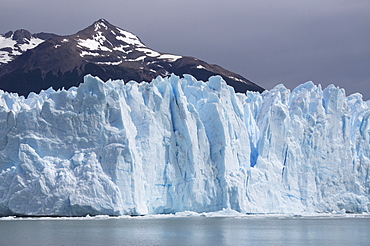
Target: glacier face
{"type": "Point", "coordinates": [180, 144]}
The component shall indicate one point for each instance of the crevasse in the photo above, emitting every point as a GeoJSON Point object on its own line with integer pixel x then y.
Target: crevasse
{"type": "Point", "coordinates": [180, 144]}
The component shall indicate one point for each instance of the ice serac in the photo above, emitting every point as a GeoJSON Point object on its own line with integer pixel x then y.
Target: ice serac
{"type": "Point", "coordinates": [183, 145]}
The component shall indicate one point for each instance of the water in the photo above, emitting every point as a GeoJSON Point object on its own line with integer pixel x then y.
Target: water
{"type": "Point", "coordinates": [188, 231]}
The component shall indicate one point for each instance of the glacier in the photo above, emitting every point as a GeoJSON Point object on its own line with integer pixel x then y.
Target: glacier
{"type": "Point", "coordinates": [178, 144]}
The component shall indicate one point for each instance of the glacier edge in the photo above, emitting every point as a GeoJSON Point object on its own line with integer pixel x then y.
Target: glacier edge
{"type": "Point", "coordinates": [178, 144]}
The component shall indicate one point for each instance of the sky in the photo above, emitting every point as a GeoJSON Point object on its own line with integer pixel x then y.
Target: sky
{"type": "Point", "coordinates": [269, 42]}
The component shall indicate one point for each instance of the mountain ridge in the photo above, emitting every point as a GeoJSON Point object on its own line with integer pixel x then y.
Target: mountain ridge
{"type": "Point", "coordinates": [103, 50]}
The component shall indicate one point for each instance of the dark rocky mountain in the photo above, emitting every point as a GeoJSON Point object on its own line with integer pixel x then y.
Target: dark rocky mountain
{"type": "Point", "coordinates": [32, 62]}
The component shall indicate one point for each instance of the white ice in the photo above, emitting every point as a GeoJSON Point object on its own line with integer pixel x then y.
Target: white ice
{"type": "Point", "coordinates": [183, 146]}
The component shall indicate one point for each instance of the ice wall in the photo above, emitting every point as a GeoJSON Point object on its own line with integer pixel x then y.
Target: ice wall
{"type": "Point", "coordinates": [181, 144]}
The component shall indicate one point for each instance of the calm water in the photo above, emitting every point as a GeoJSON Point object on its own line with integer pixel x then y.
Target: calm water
{"type": "Point", "coordinates": [187, 231]}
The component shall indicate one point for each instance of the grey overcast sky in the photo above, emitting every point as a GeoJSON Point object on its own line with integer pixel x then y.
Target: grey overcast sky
{"type": "Point", "coordinates": [267, 41]}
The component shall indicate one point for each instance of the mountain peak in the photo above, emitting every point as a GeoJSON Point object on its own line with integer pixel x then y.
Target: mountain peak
{"type": "Point", "coordinates": [102, 24]}
{"type": "Point", "coordinates": [100, 49]}
{"type": "Point", "coordinates": [21, 35]}
{"type": "Point", "coordinates": [112, 36]}
{"type": "Point", "coordinates": [18, 35]}
{"type": "Point", "coordinates": [102, 21]}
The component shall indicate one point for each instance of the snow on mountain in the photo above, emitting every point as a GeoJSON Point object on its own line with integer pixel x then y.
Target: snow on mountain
{"type": "Point", "coordinates": [102, 50]}
{"type": "Point", "coordinates": [119, 44]}
{"type": "Point", "coordinates": [177, 145]}
{"type": "Point", "coordinates": [97, 37]}
{"type": "Point", "coordinates": [13, 44]}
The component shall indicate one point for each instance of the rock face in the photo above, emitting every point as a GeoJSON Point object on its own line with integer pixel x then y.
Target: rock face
{"type": "Point", "coordinates": [180, 144]}
{"type": "Point", "coordinates": [102, 49]}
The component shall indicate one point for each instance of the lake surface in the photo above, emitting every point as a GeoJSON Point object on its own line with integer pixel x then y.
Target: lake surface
{"type": "Point", "coordinates": [187, 231]}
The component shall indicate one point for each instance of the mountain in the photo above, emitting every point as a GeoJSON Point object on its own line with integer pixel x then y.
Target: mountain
{"type": "Point", "coordinates": [183, 145]}
{"type": "Point", "coordinates": [13, 44]}
{"type": "Point", "coordinates": [102, 49]}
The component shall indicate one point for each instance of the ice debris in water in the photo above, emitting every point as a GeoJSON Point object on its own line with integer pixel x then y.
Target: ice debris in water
{"type": "Point", "coordinates": [176, 145]}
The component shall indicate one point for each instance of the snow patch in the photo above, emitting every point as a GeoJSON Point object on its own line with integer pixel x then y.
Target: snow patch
{"type": "Point", "coordinates": [6, 42]}
{"type": "Point", "coordinates": [97, 43]}
{"type": "Point", "coordinates": [169, 57]}
{"type": "Point", "coordinates": [129, 38]}
{"type": "Point", "coordinates": [100, 25]}
{"type": "Point", "coordinates": [121, 48]}
{"type": "Point", "coordinates": [7, 56]}
{"type": "Point", "coordinates": [109, 63]}
{"type": "Point", "coordinates": [4, 57]}
{"type": "Point", "coordinates": [31, 44]}
{"type": "Point", "coordinates": [234, 78]}
{"type": "Point", "coordinates": [87, 53]}
{"type": "Point", "coordinates": [148, 52]}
